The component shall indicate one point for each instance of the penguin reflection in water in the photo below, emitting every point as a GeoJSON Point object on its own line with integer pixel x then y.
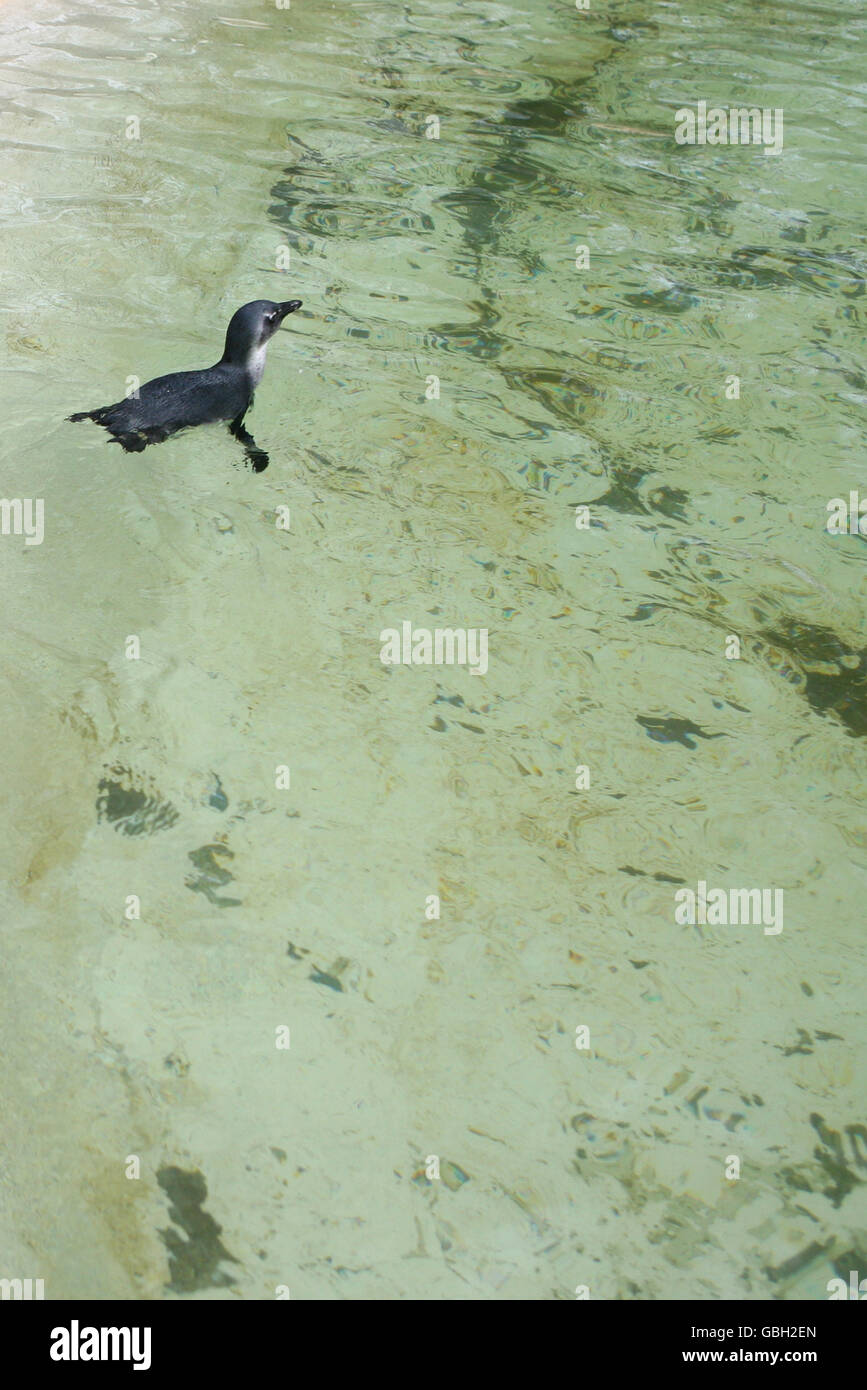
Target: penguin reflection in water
{"type": "Point", "coordinates": [223, 392]}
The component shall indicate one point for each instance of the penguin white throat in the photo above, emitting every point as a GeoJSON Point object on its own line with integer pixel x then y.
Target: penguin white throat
{"type": "Point", "coordinates": [256, 364]}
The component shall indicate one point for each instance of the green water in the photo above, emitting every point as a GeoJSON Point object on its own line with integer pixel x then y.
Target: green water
{"type": "Point", "coordinates": [286, 153]}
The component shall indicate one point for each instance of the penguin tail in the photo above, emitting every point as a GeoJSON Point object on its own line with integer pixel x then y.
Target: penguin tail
{"type": "Point", "coordinates": [98, 416]}
{"type": "Point", "coordinates": [131, 441]}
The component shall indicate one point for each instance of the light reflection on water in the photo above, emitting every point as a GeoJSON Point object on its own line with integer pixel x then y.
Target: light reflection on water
{"type": "Point", "coordinates": [450, 505]}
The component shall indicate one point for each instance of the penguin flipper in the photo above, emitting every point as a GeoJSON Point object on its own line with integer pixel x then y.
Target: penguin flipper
{"type": "Point", "coordinates": [131, 443]}
{"type": "Point", "coordinates": [256, 457]}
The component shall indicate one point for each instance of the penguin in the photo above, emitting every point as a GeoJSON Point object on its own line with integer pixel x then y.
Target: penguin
{"type": "Point", "coordinates": [222, 392]}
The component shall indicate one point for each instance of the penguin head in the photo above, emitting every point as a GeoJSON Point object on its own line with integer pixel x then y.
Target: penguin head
{"type": "Point", "coordinates": [252, 326]}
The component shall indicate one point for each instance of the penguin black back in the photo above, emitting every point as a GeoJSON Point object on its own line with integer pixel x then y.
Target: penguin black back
{"type": "Point", "coordinates": [223, 392]}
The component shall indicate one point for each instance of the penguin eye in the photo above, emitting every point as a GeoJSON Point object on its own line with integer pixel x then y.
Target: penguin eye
{"type": "Point", "coordinates": [270, 318]}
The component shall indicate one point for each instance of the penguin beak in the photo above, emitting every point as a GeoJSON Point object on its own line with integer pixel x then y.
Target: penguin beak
{"type": "Point", "coordinates": [288, 308]}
